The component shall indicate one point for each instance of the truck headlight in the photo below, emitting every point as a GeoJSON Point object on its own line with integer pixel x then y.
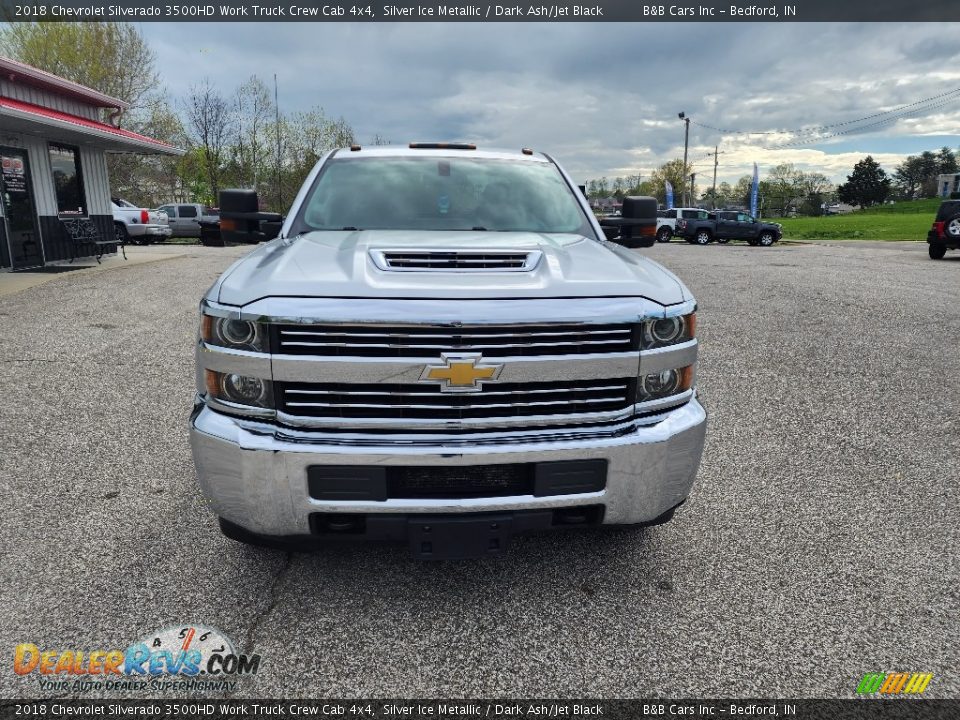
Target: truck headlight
{"type": "Point", "coordinates": [240, 389]}
{"type": "Point", "coordinates": [665, 383]}
{"type": "Point", "coordinates": [234, 333]}
{"type": "Point", "coordinates": [659, 332]}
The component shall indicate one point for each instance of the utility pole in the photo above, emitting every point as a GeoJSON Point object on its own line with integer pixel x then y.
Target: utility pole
{"type": "Point", "coordinates": [686, 145]}
{"type": "Point", "coordinates": [276, 105]}
{"type": "Point", "coordinates": [716, 161]}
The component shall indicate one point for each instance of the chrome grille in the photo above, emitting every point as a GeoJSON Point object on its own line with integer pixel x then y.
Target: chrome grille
{"type": "Point", "coordinates": [456, 260]}
{"type": "Point", "coordinates": [429, 341]}
{"type": "Point", "coordinates": [426, 402]}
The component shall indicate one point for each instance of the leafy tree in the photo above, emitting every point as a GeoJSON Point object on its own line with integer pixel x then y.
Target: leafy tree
{"type": "Point", "coordinates": [677, 174]}
{"type": "Point", "coordinates": [254, 111]}
{"type": "Point", "coordinates": [946, 161]}
{"type": "Point", "coordinates": [111, 57]}
{"type": "Point", "coordinates": [909, 176]}
{"type": "Point", "coordinates": [210, 122]}
{"type": "Point", "coordinates": [867, 185]}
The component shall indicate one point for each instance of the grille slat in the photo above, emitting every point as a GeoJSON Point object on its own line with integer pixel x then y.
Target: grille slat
{"type": "Point", "coordinates": [411, 401]}
{"type": "Point", "coordinates": [457, 260]}
{"type": "Point", "coordinates": [492, 340]}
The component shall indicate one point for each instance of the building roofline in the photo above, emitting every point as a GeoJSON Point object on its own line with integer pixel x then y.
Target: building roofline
{"type": "Point", "coordinates": [23, 111]}
{"type": "Point", "coordinates": [19, 72]}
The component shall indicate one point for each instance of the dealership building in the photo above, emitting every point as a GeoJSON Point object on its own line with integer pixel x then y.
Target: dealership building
{"type": "Point", "coordinates": [53, 146]}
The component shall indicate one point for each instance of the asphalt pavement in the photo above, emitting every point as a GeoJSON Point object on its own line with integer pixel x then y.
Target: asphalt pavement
{"type": "Point", "coordinates": [820, 542]}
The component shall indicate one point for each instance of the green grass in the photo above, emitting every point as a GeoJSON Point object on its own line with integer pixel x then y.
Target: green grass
{"type": "Point", "coordinates": [900, 221]}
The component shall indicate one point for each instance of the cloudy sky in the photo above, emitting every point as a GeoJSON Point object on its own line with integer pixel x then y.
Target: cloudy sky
{"type": "Point", "coordinates": [603, 98]}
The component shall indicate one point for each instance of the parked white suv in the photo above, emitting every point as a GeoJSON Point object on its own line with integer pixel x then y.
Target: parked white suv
{"type": "Point", "coordinates": [667, 220]}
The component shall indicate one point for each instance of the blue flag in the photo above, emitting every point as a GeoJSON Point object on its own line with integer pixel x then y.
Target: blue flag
{"type": "Point", "coordinates": [669, 195]}
{"type": "Point", "coordinates": [754, 190]}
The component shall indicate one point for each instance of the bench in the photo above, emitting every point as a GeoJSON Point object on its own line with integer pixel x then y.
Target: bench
{"type": "Point", "coordinates": [82, 233]}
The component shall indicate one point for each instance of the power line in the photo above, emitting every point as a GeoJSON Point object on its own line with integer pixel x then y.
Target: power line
{"type": "Point", "coordinates": [861, 128]}
{"type": "Point", "coordinates": [953, 96]}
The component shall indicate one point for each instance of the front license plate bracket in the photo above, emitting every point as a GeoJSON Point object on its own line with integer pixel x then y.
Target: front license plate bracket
{"type": "Point", "coordinates": [455, 538]}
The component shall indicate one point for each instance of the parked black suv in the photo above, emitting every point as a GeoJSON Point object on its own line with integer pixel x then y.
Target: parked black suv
{"type": "Point", "coordinates": [945, 233]}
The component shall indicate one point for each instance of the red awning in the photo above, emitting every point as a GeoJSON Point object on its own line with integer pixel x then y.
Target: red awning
{"type": "Point", "coordinates": [17, 114]}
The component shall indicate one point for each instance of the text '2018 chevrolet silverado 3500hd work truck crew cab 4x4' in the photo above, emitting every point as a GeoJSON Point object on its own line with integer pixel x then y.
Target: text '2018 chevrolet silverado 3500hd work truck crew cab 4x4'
{"type": "Point", "coordinates": [442, 348]}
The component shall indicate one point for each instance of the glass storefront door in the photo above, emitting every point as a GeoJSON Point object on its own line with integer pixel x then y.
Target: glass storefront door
{"type": "Point", "coordinates": [19, 209]}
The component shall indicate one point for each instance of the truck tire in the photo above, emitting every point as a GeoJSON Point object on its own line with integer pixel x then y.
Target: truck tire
{"type": "Point", "coordinates": [951, 228]}
{"type": "Point", "coordinates": [766, 238]}
{"type": "Point", "coordinates": [664, 234]}
{"type": "Point", "coordinates": [937, 251]}
{"type": "Point", "coordinates": [123, 237]}
{"type": "Point", "coordinates": [703, 237]}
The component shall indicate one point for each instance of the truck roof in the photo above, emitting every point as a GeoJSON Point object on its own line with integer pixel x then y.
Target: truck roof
{"type": "Point", "coordinates": [405, 151]}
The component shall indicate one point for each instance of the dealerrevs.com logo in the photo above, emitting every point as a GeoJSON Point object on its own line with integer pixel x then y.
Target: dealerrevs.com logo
{"type": "Point", "coordinates": [192, 658]}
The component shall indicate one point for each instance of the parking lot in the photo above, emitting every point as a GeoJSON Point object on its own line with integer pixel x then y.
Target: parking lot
{"type": "Point", "coordinates": [820, 542]}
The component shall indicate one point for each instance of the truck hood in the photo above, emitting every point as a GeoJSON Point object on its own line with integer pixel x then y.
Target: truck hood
{"type": "Point", "coordinates": [341, 265]}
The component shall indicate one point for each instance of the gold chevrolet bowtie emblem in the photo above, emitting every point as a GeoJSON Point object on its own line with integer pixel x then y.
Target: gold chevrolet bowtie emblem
{"type": "Point", "coordinates": [461, 373]}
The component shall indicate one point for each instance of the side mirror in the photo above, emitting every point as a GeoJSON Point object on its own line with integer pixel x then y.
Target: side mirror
{"type": "Point", "coordinates": [637, 225]}
{"type": "Point", "coordinates": [241, 220]}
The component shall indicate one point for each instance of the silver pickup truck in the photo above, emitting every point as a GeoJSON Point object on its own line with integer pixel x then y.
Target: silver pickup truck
{"type": "Point", "coordinates": [442, 348]}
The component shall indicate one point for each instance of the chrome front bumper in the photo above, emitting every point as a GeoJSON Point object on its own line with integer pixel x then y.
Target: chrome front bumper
{"type": "Point", "coordinates": [254, 474]}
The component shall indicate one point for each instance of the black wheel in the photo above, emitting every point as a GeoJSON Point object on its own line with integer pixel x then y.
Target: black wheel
{"type": "Point", "coordinates": [664, 234]}
{"type": "Point", "coordinates": [767, 239]}
{"type": "Point", "coordinates": [702, 237]}
{"type": "Point", "coordinates": [120, 230]}
{"type": "Point", "coordinates": [951, 228]}
{"type": "Point", "coordinates": [937, 251]}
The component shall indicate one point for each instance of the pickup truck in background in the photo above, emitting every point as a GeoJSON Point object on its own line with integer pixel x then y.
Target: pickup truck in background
{"type": "Point", "coordinates": [667, 220]}
{"type": "Point", "coordinates": [726, 225]}
{"type": "Point", "coordinates": [185, 218]}
{"type": "Point", "coordinates": [138, 225]}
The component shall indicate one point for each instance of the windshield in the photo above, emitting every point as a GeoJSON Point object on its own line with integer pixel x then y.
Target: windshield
{"type": "Point", "coordinates": [431, 193]}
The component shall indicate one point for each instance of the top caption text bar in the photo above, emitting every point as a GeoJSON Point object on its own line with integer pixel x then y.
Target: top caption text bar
{"type": "Point", "coordinates": [475, 11]}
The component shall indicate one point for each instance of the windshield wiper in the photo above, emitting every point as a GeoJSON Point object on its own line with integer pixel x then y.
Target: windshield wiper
{"type": "Point", "coordinates": [350, 227]}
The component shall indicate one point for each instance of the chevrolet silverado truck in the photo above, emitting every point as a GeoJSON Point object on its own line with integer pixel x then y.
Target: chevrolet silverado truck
{"type": "Point", "coordinates": [442, 348]}
{"type": "Point", "coordinates": [726, 225]}
{"type": "Point", "coordinates": [138, 225]}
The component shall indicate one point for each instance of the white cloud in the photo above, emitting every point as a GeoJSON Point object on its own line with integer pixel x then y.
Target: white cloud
{"type": "Point", "coordinates": [602, 98]}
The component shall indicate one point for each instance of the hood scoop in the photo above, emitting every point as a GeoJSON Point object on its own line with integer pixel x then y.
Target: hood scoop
{"type": "Point", "coordinates": [456, 260]}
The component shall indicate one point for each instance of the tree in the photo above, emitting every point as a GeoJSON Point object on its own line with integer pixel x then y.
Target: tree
{"type": "Point", "coordinates": [254, 110]}
{"type": "Point", "coordinates": [909, 176]}
{"type": "Point", "coordinates": [677, 175]}
{"type": "Point", "coordinates": [110, 57]}
{"type": "Point", "coordinates": [946, 161]}
{"type": "Point", "coordinates": [210, 123]}
{"type": "Point", "coordinates": [867, 185]}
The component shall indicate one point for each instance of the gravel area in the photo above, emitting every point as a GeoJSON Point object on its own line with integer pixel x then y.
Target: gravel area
{"type": "Point", "coordinates": [820, 542]}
